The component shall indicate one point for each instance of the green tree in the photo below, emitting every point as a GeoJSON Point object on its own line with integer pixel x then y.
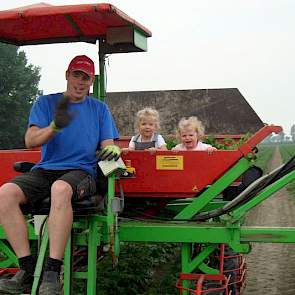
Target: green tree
{"type": "Point", "coordinates": [18, 89]}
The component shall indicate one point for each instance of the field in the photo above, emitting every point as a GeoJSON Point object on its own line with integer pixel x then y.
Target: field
{"type": "Point", "coordinates": [287, 151]}
{"type": "Point", "coordinates": [265, 153]}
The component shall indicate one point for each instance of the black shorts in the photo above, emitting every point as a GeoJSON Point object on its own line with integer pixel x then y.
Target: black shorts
{"type": "Point", "coordinates": [36, 184]}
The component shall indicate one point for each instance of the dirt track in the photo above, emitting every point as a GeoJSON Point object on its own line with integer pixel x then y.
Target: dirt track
{"type": "Point", "coordinates": [271, 267]}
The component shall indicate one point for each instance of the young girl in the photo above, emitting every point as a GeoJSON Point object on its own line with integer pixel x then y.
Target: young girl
{"type": "Point", "coordinates": [190, 131]}
{"type": "Point", "coordinates": [147, 122]}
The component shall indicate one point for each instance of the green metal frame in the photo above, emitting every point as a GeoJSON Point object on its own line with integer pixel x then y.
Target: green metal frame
{"type": "Point", "coordinates": [95, 230]}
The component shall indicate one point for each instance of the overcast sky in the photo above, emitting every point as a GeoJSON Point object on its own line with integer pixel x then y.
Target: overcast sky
{"type": "Point", "coordinates": [244, 44]}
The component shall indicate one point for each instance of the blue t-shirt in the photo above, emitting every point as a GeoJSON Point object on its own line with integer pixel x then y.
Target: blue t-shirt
{"type": "Point", "coordinates": [73, 147]}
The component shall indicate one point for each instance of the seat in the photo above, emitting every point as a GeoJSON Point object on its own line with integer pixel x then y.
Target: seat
{"type": "Point", "coordinates": [89, 205]}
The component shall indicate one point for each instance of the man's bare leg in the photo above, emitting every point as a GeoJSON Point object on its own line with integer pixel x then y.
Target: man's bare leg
{"type": "Point", "coordinates": [60, 218]}
{"type": "Point", "coordinates": [12, 219]}
{"type": "Point", "coordinates": [59, 227]}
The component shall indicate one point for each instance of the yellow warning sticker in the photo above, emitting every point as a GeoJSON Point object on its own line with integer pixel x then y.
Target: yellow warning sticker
{"type": "Point", "coordinates": [169, 162]}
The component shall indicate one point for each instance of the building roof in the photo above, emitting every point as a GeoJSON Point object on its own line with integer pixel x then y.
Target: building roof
{"type": "Point", "coordinates": [222, 111]}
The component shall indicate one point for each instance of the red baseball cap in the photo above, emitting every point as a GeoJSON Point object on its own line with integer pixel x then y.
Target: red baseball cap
{"type": "Point", "coordinates": [82, 63]}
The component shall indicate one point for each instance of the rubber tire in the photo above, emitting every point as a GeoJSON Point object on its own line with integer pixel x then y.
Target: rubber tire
{"type": "Point", "coordinates": [232, 263]}
{"type": "Point", "coordinates": [208, 284]}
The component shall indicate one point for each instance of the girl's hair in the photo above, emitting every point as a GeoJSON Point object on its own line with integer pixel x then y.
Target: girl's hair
{"type": "Point", "coordinates": [144, 113]}
{"type": "Point", "coordinates": [192, 122]}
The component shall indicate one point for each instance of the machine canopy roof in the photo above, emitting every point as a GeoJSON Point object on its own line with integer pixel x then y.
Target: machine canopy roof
{"type": "Point", "coordinates": [44, 23]}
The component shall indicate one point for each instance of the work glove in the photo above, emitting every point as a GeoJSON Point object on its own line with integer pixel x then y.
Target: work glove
{"type": "Point", "coordinates": [110, 152]}
{"type": "Point", "coordinates": [62, 116]}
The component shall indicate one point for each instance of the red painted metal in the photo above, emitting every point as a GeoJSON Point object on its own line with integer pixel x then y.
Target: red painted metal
{"type": "Point", "coordinates": [239, 272]}
{"type": "Point", "coordinates": [7, 271]}
{"type": "Point", "coordinates": [45, 23]}
{"type": "Point", "coordinates": [200, 169]}
{"type": "Point", "coordinates": [9, 157]}
{"type": "Point", "coordinates": [197, 283]}
{"type": "Point", "coordinates": [123, 142]}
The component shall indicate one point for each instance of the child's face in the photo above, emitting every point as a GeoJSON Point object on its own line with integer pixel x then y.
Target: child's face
{"type": "Point", "coordinates": [189, 137]}
{"type": "Point", "coordinates": [147, 127]}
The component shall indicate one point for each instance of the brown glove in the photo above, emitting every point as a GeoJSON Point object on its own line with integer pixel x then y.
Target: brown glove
{"type": "Point", "coordinates": [62, 116]}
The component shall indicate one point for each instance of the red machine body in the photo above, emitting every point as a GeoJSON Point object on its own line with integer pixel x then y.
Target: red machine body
{"type": "Point", "coordinates": [171, 174]}
{"type": "Point", "coordinates": [163, 174]}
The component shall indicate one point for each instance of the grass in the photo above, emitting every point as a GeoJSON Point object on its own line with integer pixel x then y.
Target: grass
{"type": "Point", "coordinates": [265, 153]}
{"type": "Point", "coordinates": [287, 151]}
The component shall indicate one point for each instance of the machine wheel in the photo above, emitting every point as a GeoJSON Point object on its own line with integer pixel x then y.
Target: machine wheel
{"type": "Point", "coordinates": [231, 264]}
{"type": "Point", "coordinates": [209, 284]}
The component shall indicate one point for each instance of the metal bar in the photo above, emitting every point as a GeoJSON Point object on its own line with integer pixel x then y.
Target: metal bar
{"type": "Point", "coordinates": [177, 207]}
{"type": "Point", "coordinates": [266, 193]}
{"type": "Point", "coordinates": [10, 255]}
{"type": "Point", "coordinates": [96, 87]}
{"type": "Point", "coordinates": [40, 261]}
{"type": "Point", "coordinates": [215, 189]}
{"type": "Point", "coordinates": [197, 261]}
{"type": "Point", "coordinates": [174, 232]}
{"type": "Point", "coordinates": [68, 268]}
{"type": "Point", "coordinates": [93, 236]}
{"type": "Point", "coordinates": [111, 193]}
{"type": "Point", "coordinates": [268, 235]}
{"type": "Point", "coordinates": [185, 260]}
{"type": "Point", "coordinates": [102, 88]}
{"type": "Point", "coordinates": [203, 233]}
{"type": "Point", "coordinates": [80, 275]}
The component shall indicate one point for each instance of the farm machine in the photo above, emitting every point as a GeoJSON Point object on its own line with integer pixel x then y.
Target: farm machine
{"type": "Point", "coordinates": [207, 195]}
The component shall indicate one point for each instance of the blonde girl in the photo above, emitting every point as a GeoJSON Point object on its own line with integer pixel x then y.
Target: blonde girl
{"type": "Point", "coordinates": [190, 132]}
{"type": "Point", "coordinates": [147, 123]}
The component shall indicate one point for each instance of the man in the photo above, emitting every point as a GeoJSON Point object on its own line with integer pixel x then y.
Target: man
{"type": "Point", "coordinates": [69, 127]}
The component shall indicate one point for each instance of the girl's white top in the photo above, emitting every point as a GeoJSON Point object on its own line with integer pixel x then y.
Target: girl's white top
{"type": "Point", "coordinates": [199, 147]}
{"type": "Point", "coordinates": [159, 142]}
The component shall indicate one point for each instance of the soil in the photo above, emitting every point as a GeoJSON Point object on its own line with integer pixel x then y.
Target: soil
{"type": "Point", "coordinates": [271, 267]}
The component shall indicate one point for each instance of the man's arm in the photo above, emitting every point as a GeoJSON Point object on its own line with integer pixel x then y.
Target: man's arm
{"type": "Point", "coordinates": [106, 142]}
{"type": "Point", "coordinates": [36, 136]}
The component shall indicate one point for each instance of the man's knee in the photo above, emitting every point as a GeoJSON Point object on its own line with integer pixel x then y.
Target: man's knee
{"type": "Point", "coordinates": [10, 195]}
{"type": "Point", "coordinates": [61, 194]}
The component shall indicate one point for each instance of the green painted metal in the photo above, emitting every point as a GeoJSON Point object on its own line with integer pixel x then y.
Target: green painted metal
{"type": "Point", "coordinates": [179, 206]}
{"type": "Point", "coordinates": [198, 261]}
{"type": "Point", "coordinates": [40, 261]}
{"type": "Point", "coordinates": [185, 258]}
{"type": "Point", "coordinates": [140, 40]}
{"type": "Point", "coordinates": [10, 258]}
{"type": "Point", "coordinates": [31, 231]}
{"type": "Point", "coordinates": [175, 232]}
{"type": "Point", "coordinates": [270, 190]}
{"type": "Point", "coordinates": [80, 275]}
{"type": "Point", "coordinates": [93, 241]}
{"type": "Point", "coordinates": [267, 235]}
{"type": "Point", "coordinates": [215, 189]}
{"type": "Point", "coordinates": [68, 268]}
{"type": "Point", "coordinates": [214, 233]}
{"type": "Point", "coordinates": [102, 89]}
{"type": "Point", "coordinates": [96, 87]}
